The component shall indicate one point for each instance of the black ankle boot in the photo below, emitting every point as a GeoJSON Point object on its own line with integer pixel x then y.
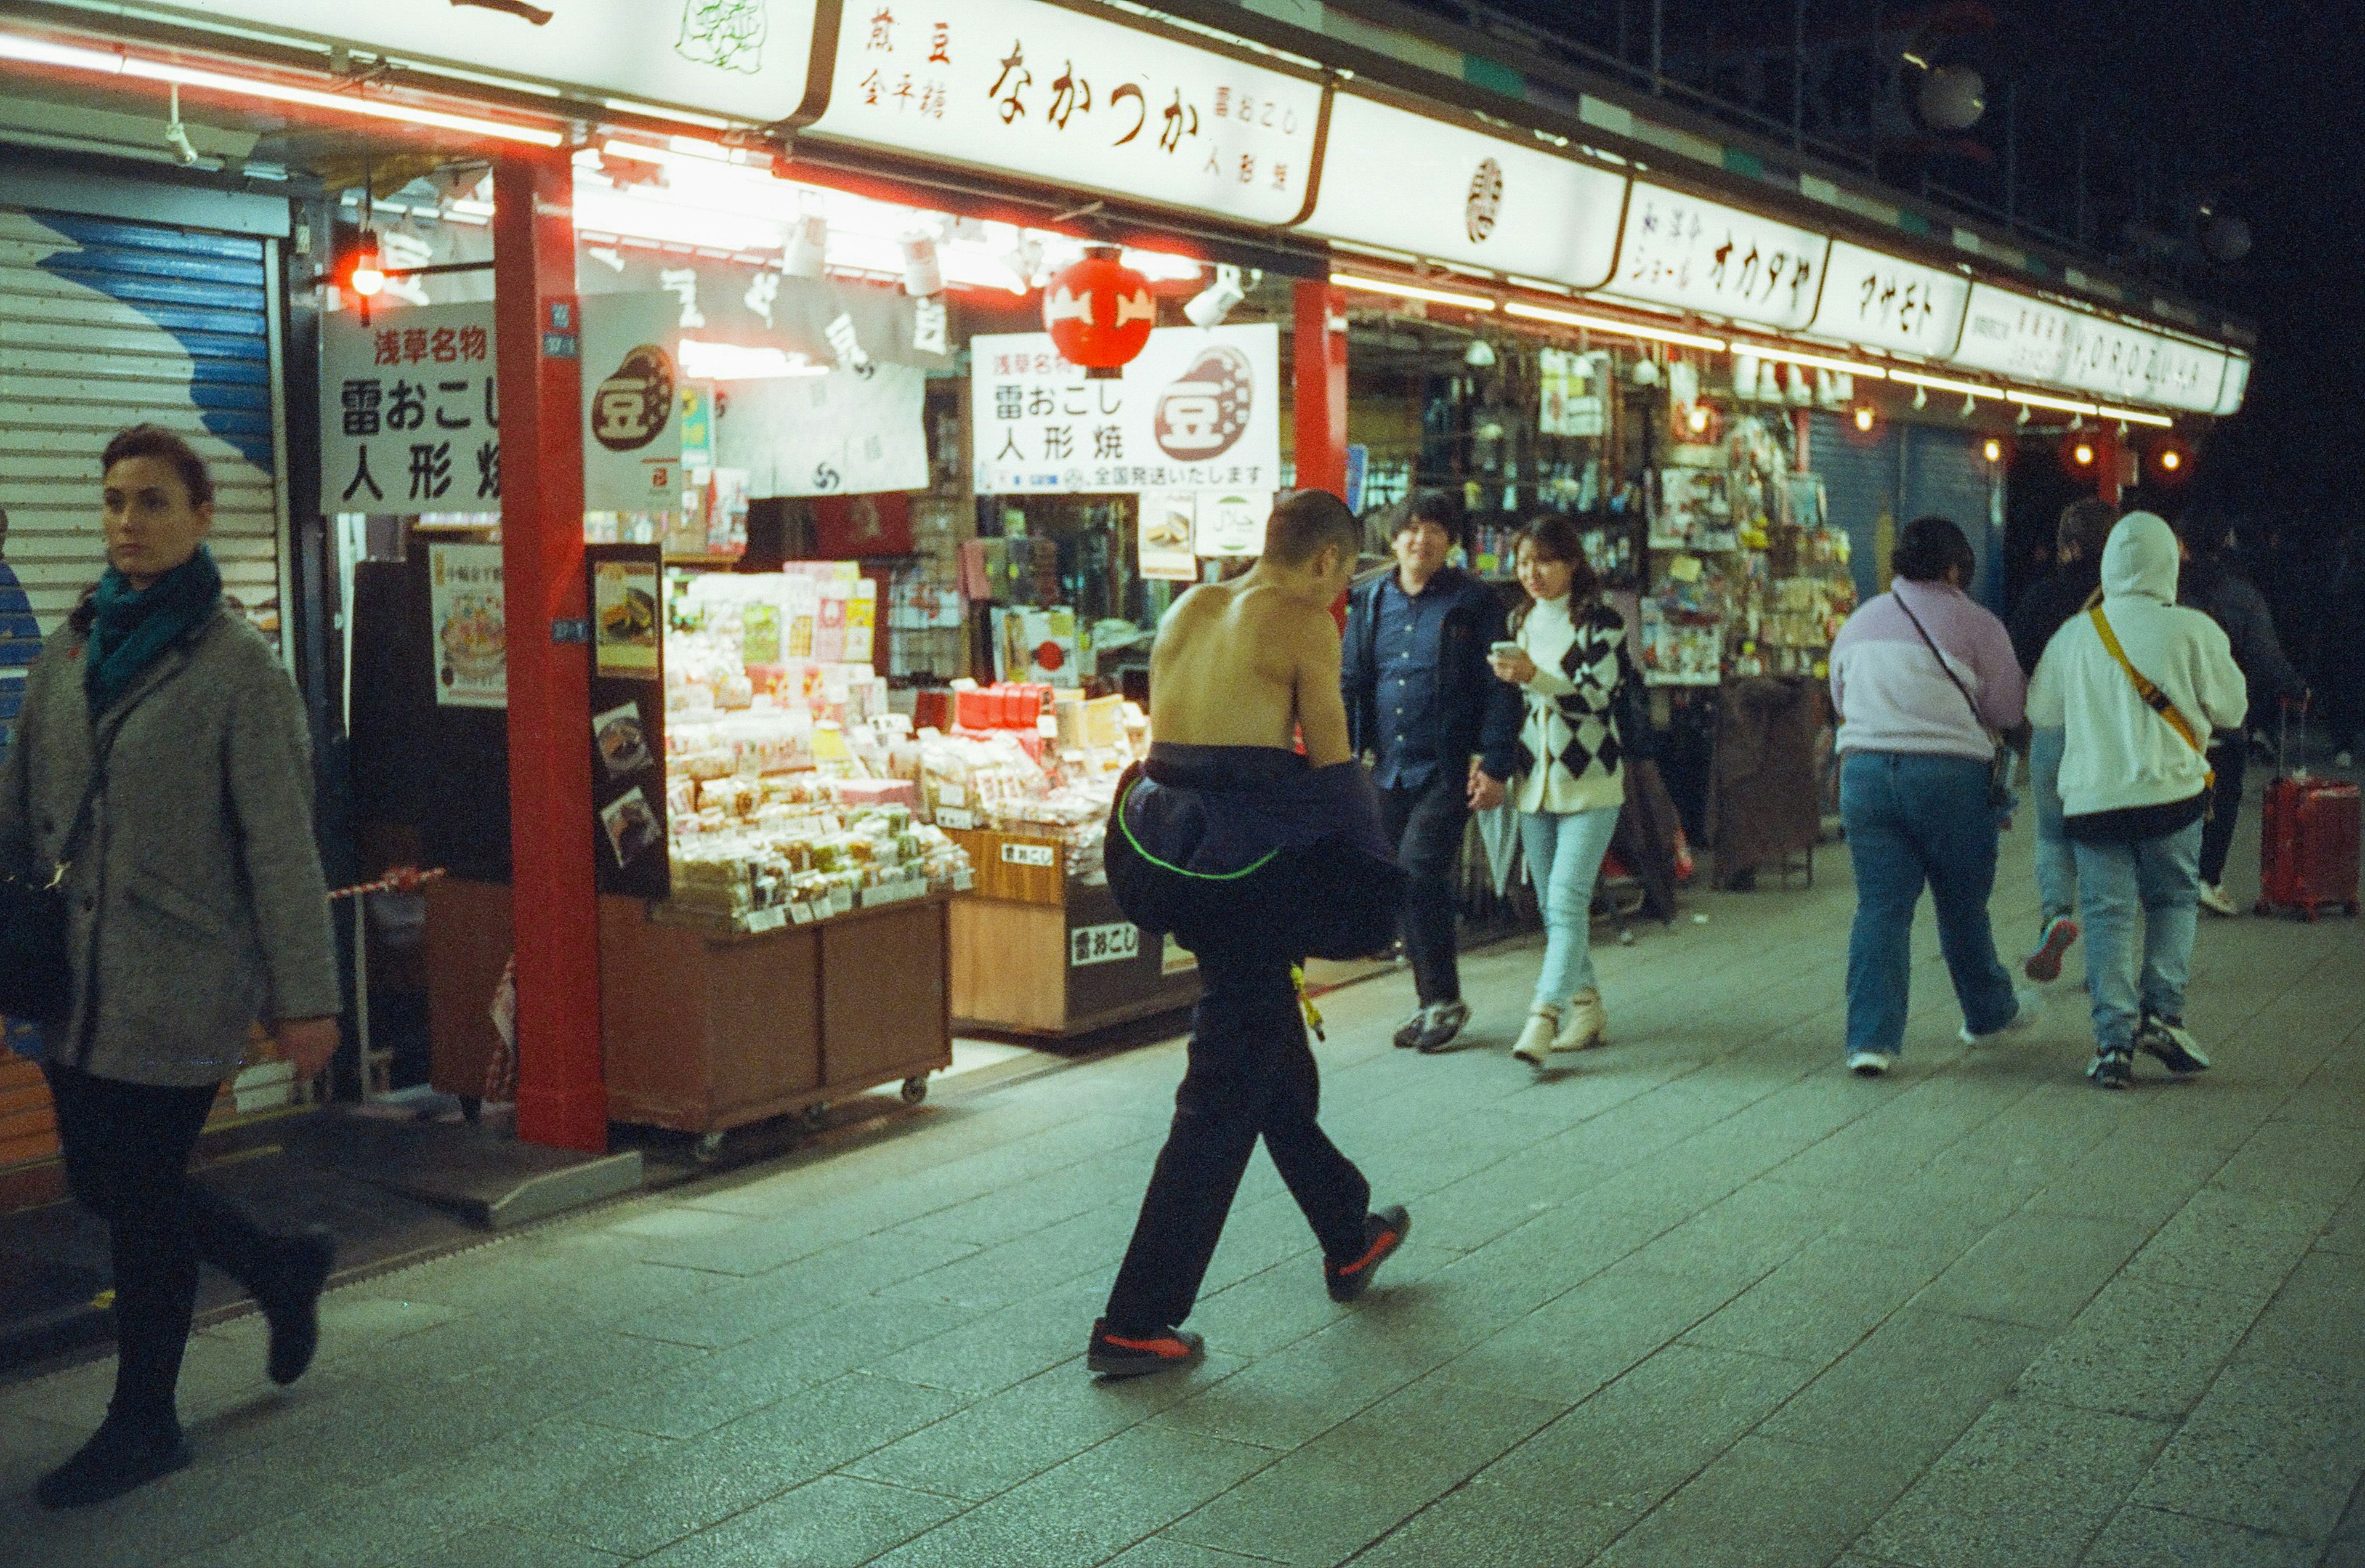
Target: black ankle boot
{"type": "Point", "coordinates": [121, 1456]}
{"type": "Point", "coordinates": [291, 1302]}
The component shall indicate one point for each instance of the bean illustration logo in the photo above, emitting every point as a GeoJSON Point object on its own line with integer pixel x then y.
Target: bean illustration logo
{"type": "Point", "coordinates": [635, 404]}
{"type": "Point", "coordinates": [1203, 413]}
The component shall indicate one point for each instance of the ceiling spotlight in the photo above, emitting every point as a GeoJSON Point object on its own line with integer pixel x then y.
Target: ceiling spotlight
{"type": "Point", "coordinates": [808, 250]}
{"type": "Point", "coordinates": [1993, 451]}
{"type": "Point", "coordinates": [2171, 460]}
{"type": "Point", "coordinates": [366, 275]}
{"type": "Point", "coordinates": [924, 273]}
{"type": "Point", "coordinates": [2077, 422]}
{"type": "Point", "coordinates": [1970, 406]}
{"type": "Point", "coordinates": [1210, 307]}
{"type": "Point", "coordinates": [2024, 415]}
{"type": "Point", "coordinates": [2084, 455]}
{"type": "Point", "coordinates": [1479, 355]}
{"type": "Point", "coordinates": [1864, 416]}
{"type": "Point", "coordinates": [1921, 398]}
{"type": "Point", "coordinates": [1026, 264]}
{"type": "Point", "coordinates": [2122, 430]}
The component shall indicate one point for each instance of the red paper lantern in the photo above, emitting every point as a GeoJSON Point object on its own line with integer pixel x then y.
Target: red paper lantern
{"type": "Point", "coordinates": [1099, 312]}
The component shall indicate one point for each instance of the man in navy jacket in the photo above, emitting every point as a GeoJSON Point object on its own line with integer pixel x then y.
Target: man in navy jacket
{"type": "Point", "coordinates": [1441, 733]}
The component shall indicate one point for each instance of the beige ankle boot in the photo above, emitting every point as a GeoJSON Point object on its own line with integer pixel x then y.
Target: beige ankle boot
{"type": "Point", "coordinates": [1586, 1023]}
{"type": "Point", "coordinates": [1536, 1038]}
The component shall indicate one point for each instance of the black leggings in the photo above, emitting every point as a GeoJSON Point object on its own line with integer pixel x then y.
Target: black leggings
{"type": "Point", "coordinates": [127, 1150]}
{"type": "Point", "coordinates": [2232, 762]}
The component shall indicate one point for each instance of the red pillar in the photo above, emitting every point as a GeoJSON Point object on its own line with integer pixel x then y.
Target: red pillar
{"type": "Point", "coordinates": [1321, 389]}
{"type": "Point", "coordinates": [562, 1092]}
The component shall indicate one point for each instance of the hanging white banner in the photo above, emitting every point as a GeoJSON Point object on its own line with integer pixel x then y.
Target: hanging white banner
{"type": "Point", "coordinates": [1198, 410]}
{"type": "Point", "coordinates": [1700, 255]}
{"type": "Point", "coordinates": [1028, 88]}
{"type": "Point", "coordinates": [847, 432]}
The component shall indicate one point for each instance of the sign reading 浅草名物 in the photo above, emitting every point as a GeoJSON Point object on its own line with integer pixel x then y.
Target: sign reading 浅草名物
{"type": "Point", "coordinates": [1047, 92]}
{"type": "Point", "coordinates": [749, 59]}
{"type": "Point", "coordinates": [1199, 410]}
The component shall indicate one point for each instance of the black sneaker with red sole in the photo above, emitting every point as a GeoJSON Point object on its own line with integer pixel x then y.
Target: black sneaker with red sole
{"type": "Point", "coordinates": [1112, 1354]}
{"type": "Point", "coordinates": [1384, 1232]}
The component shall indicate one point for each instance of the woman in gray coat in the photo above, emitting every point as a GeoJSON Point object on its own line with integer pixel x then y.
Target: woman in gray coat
{"type": "Point", "coordinates": [162, 759]}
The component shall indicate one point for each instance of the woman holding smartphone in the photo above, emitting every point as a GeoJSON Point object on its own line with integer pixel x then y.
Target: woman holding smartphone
{"type": "Point", "coordinates": [1567, 654]}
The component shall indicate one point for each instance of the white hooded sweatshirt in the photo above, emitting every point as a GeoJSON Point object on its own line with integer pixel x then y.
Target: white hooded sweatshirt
{"type": "Point", "coordinates": [2121, 755]}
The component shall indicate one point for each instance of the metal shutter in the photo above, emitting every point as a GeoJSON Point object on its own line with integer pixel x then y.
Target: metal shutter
{"type": "Point", "coordinates": [105, 324]}
{"type": "Point", "coordinates": [1946, 474]}
{"type": "Point", "coordinates": [1859, 473]}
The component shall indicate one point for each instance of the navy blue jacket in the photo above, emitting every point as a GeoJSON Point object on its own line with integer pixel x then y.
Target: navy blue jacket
{"type": "Point", "coordinates": [1475, 713]}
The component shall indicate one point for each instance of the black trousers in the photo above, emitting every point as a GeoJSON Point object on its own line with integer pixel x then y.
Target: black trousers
{"type": "Point", "coordinates": [2232, 761]}
{"type": "Point", "coordinates": [1426, 824]}
{"type": "Point", "coordinates": [1251, 1074]}
{"type": "Point", "coordinates": [127, 1148]}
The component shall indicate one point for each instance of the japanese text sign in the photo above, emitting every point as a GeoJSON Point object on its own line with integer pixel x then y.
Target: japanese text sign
{"type": "Point", "coordinates": [1039, 90]}
{"type": "Point", "coordinates": [2113, 359]}
{"type": "Point", "coordinates": [2011, 334]}
{"type": "Point", "coordinates": [2237, 382]}
{"type": "Point", "coordinates": [751, 60]}
{"type": "Point", "coordinates": [409, 411]}
{"type": "Point", "coordinates": [1405, 181]}
{"type": "Point", "coordinates": [1882, 302]}
{"type": "Point", "coordinates": [1678, 249]}
{"type": "Point", "coordinates": [1199, 410]}
{"type": "Point", "coordinates": [631, 434]}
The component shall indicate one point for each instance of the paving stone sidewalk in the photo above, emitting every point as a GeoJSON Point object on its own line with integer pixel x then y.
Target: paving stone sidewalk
{"type": "Point", "coordinates": [1700, 1299]}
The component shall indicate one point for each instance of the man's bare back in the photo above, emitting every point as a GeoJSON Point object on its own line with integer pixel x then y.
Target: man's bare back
{"type": "Point", "coordinates": [1254, 662]}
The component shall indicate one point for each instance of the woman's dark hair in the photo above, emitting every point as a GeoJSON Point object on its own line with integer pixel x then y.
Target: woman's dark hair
{"type": "Point", "coordinates": [1556, 538]}
{"type": "Point", "coordinates": [1929, 548]}
{"type": "Point", "coordinates": [155, 440]}
{"type": "Point", "coordinates": [1440, 507]}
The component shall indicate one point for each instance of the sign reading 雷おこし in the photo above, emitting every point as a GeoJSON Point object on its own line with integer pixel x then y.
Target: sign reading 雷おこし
{"type": "Point", "coordinates": [1199, 410]}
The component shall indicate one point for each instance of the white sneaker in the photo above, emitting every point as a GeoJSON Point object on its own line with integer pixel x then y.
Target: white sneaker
{"type": "Point", "coordinates": [2031, 1008]}
{"type": "Point", "coordinates": [2213, 900]}
{"type": "Point", "coordinates": [1586, 1025]}
{"type": "Point", "coordinates": [1536, 1037]}
{"type": "Point", "coordinates": [1869, 1064]}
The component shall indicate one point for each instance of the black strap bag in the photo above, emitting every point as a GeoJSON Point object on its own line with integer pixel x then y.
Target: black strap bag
{"type": "Point", "coordinates": [35, 967]}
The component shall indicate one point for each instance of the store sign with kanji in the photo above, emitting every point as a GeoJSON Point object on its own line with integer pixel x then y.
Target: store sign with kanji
{"type": "Point", "coordinates": [2011, 334]}
{"type": "Point", "coordinates": [1031, 88]}
{"type": "Point", "coordinates": [1410, 183]}
{"type": "Point", "coordinates": [410, 412]}
{"type": "Point", "coordinates": [1882, 302]}
{"type": "Point", "coordinates": [747, 58]}
{"type": "Point", "coordinates": [1198, 410]}
{"type": "Point", "coordinates": [1700, 255]}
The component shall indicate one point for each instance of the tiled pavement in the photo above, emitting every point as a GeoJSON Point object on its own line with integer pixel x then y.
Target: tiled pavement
{"type": "Point", "coordinates": [1703, 1299]}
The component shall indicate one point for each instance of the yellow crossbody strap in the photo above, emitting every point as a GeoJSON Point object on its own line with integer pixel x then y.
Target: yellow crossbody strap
{"type": "Point", "coordinates": [2153, 696]}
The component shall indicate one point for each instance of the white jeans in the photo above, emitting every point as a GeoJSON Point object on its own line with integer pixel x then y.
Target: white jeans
{"type": "Point", "coordinates": [1564, 851]}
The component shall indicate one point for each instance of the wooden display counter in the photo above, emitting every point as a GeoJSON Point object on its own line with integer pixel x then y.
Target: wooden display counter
{"type": "Point", "coordinates": [1036, 952]}
{"type": "Point", "coordinates": [707, 1028]}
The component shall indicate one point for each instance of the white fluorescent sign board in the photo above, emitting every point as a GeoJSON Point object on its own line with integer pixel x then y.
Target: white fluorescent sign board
{"type": "Point", "coordinates": [1409, 182]}
{"type": "Point", "coordinates": [2125, 363]}
{"type": "Point", "coordinates": [1040, 91]}
{"type": "Point", "coordinates": [747, 59]}
{"type": "Point", "coordinates": [1882, 302]}
{"type": "Point", "coordinates": [1196, 410]}
{"type": "Point", "coordinates": [2011, 334]}
{"type": "Point", "coordinates": [2237, 382]}
{"type": "Point", "coordinates": [409, 411]}
{"type": "Point", "coordinates": [1698, 255]}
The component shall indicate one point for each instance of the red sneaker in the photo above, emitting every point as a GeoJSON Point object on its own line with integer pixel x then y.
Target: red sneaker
{"type": "Point", "coordinates": [1112, 1354]}
{"type": "Point", "coordinates": [2043, 966]}
{"type": "Point", "coordinates": [1384, 1232]}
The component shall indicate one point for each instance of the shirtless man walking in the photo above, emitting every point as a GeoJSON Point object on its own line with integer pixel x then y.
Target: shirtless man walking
{"type": "Point", "coordinates": [1255, 857]}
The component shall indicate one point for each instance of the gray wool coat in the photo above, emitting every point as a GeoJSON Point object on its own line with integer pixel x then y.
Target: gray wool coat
{"type": "Point", "coordinates": [197, 901]}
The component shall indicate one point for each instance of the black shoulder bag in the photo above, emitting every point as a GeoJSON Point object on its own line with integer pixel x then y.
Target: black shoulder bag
{"type": "Point", "coordinates": [35, 967]}
{"type": "Point", "coordinates": [1999, 795]}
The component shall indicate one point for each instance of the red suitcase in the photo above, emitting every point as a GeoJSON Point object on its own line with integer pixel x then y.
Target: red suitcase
{"type": "Point", "coordinates": [2308, 856]}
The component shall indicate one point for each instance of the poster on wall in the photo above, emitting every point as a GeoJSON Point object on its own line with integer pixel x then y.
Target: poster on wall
{"type": "Point", "coordinates": [1170, 520]}
{"type": "Point", "coordinates": [1232, 522]}
{"type": "Point", "coordinates": [632, 408]}
{"type": "Point", "coordinates": [409, 411]}
{"type": "Point", "coordinates": [472, 668]}
{"type": "Point", "coordinates": [624, 618]}
{"type": "Point", "coordinates": [628, 722]}
{"type": "Point", "coordinates": [1198, 410]}
{"type": "Point", "coordinates": [841, 433]}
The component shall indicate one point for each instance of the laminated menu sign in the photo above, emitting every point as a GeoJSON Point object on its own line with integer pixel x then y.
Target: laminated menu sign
{"type": "Point", "coordinates": [625, 618]}
{"type": "Point", "coordinates": [409, 411]}
{"type": "Point", "coordinates": [1197, 409]}
{"type": "Point", "coordinates": [1169, 522]}
{"type": "Point", "coordinates": [465, 601]}
{"type": "Point", "coordinates": [1700, 255]}
{"type": "Point", "coordinates": [1041, 89]}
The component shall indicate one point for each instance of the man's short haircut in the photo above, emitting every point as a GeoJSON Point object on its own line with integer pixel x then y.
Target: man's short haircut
{"type": "Point", "coordinates": [1440, 507]}
{"type": "Point", "coordinates": [154, 440]}
{"type": "Point", "coordinates": [2086, 525]}
{"type": "Point", "coordinates": [1929, 546]}
{"type": "Point", "coordinates": [1305, 521]}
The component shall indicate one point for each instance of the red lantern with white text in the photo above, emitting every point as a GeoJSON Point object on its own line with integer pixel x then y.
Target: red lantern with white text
{"type": "Point", "coordinates": [1099, 312]}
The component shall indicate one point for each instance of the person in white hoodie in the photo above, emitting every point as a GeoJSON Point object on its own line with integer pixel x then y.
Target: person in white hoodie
{"type": "Point", "coordinates": [2137, 685]}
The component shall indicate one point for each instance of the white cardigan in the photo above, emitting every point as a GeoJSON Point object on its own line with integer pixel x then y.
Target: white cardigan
{"type": "Point", "coordinates": [1571, 756]}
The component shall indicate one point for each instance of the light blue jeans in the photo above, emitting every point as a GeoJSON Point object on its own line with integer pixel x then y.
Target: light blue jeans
{"type": "Point", "coordinates": [1564, 851]}
{"type": "Point", "coordinates": [2056, 862]}
{"type": "Point", "coordinates": [2160, 880]}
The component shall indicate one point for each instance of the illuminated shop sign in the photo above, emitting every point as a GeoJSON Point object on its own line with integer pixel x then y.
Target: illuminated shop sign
{"type": "Point", "coordinates": [1882, 302]}
{"type": "Point", "coordinates": [1700, 255]}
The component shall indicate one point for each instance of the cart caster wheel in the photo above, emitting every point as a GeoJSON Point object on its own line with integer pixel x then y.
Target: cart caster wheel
{"type": "Point", "coordinates": [816, 1116]}
{"type": "Point", "coordinates": [916, 1089]}
{"type": "Point", "coordinates": [709, 1148]}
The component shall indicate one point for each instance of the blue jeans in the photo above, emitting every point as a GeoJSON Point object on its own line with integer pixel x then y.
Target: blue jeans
{"type": "Point", "coordinates": [1913, 819]}
{"type": "Point", "coordinates": [1564, 851]}
{"type": "Point", "coordinates": [2056, 862]}
{"type": "Point", "coordinates": [2160, 879]}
